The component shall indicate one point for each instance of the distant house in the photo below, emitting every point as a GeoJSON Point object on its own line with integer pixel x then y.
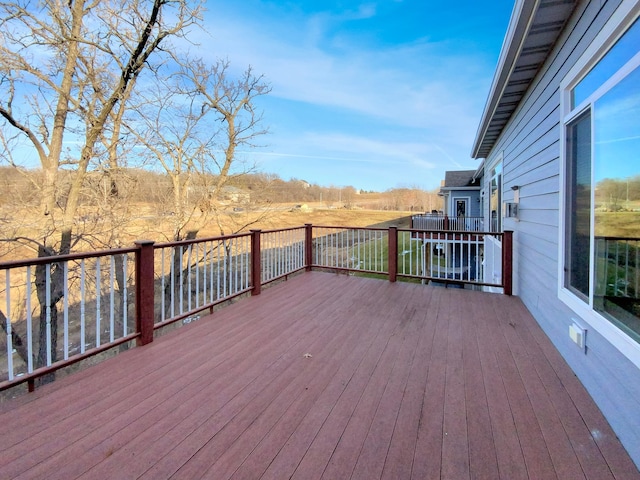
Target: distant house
{"type": "Point", "coordinates": [454, 257]}
{"type": "Point", "coordinates": [235, 194]}
{"type": "Point", "coordinates": [461, 194]}
{"type": "Point", "coordinates": [560, 126]}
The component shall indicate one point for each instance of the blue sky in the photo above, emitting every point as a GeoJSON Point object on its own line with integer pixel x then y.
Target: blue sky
{"type": "Point", "coordinates": [376, 95]}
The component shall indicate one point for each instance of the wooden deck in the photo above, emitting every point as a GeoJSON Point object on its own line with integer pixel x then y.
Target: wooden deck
{"type": "Point", "coordinates": [324, 376]}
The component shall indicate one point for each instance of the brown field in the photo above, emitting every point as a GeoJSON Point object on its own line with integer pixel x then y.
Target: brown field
{"type": "Point", "coordinates": [147, 223]}
{"type": "Point", "coordinates": [618, 224]}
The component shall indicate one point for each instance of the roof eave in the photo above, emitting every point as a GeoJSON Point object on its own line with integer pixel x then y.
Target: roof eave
{"type": "Point", "coordinates": [521, 17]}
{"type": "Point", "coordinates": [534, 30]}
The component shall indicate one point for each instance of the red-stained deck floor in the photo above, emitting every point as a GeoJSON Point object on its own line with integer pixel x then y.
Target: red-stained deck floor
{"type": "Point", "coordinates": [324, 376]}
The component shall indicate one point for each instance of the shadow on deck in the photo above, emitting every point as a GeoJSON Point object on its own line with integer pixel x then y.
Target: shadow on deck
{"type": "Point", "coordinates": [325, 376]}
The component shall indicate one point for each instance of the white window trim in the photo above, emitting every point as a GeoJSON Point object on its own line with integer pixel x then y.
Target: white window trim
{"type": "Point", "coordinates": [493, 164]}
{"type": "Point", "coordinates": [619, 22]}
{"type": "Point", "coordinates": [453, 205]}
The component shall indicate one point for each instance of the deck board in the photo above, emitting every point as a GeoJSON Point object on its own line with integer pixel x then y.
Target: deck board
{"type": "Point", "coordinates": [403, 381]}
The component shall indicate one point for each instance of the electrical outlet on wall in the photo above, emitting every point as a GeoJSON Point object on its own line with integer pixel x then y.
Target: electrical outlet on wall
{"type": "Point", "coordinates": [578, 335]}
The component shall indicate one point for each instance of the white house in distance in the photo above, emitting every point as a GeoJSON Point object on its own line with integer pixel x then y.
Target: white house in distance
{"type": "Point", "coordinates": [559, 138]}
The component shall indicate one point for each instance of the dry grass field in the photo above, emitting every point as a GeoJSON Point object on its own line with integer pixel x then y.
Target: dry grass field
{"type": "Point", "coordinates": [146, 222]}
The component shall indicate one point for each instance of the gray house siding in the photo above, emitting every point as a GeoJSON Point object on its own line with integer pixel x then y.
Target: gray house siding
{"type": "Point", "coordinates": [530, 148]}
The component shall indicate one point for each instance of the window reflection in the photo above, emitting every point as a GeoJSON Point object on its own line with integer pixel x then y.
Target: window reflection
{"type": "Point", "coordinates": [617, 204]}
{"type": "Point", "coordinates": [621, 53]}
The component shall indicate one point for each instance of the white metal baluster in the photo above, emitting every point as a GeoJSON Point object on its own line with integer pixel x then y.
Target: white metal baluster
{"type": "Point", "coordinates": [315, 252]}
{"type": "Point", "coordinates": [326, 238]}
{"type": "Point", "coordinates": [48, 313]}
{"type": "Point", "coordinates": [405, 239]}
{"type": "Point", "coordinates": [189, 289]}
{"type": "Point", "coordinates": [112, 298]}
{"type": "Point", "coordinates": [204, 273]}
{"type": "Point", "coordinates": [245, 276]}
{"type": "Point", "coordinates": [273, 253]}
{"type": "Point", "coordinates": [626, 267]}
{"type": "Point", "coordinates": [173, 281]}
{"type": "Point", "coordinates": [98, 327]}
{"type": "Point", "coordinates": [288, 252]}
{"type": "Point", "coordinates": [65, 308]}
{"type": "Point", "coordinates": [230, 260]}
{"type": "Point", "coordinates": [247, 255]}
{"type": "Point", "coordinates": [7, 323]}
{"type": "Point", "coordinates": [371, 240]}
{"type": "Point", "coordinates": [375, 253]}
{"type": "Point", "coordinates": [30, 323]}
{"type": "Point", "coordinates": [359, 247]}
{"type": "Point", "coordinates": [278, 241]}
{"type": "Point", "coordinates": [125, 302]}
{"type": "Point", "coordinates": [220, 263]}
{"type": "Point", "coordinates": [211, 271]}
{"type": "Point", "coordinates": [162, 287]}
{"type": "Point", "coordinates": [233, 265]}
{"type": "Point", "coordinates": [266, 247]}
{"type": "Point", "coordinates": [239, 268]}
{"type": "Point", "coordinates": [341, 248]}
{"type": "Point", "coordinates": [181, 299]}
{"type": "Point", "coordinates": [197, 245]}
{"type": "Point", "coordinates": [225, 261]}
{"type": "Point", "coordinates": [82, 319]}
{"type": "Point", "coordinates": [281, 257]}
{"type": "Point", "coordinates": [284, 247]}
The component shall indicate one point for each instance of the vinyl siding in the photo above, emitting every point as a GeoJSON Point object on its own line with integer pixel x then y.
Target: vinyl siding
{"type": "Point", "coordinates": [530, 145]}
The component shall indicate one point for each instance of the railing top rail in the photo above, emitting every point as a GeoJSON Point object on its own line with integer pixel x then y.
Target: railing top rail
{"type": "Point", "coordinates": [382, 229]}
{"type": "Point", "coordinates": [440, 215]}
{"type": "Point", "coordinates": [627, 239]}
{"type": "Point", "coordinates": [288, 229]}
{"type": "Point", "coordinates": [64, 258]}
{"type": "Point", "coordinates": [444, 232]}
{"type": "Point", "coordinates": [200, 240]}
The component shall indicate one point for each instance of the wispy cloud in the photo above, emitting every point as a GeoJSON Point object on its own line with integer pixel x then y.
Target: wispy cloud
{"type": "Point", "coordinates": [429, 92]}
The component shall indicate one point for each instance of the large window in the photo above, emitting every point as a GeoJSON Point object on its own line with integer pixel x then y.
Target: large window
{"type": "Point", "coordinates": [602, 210]}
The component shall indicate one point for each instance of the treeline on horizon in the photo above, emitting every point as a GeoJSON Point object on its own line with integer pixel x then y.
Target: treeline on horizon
{"type": "Point", "coordinates": [18, 186]}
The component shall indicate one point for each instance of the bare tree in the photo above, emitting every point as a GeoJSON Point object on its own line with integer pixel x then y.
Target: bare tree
{"type": "Point", "coordinates": [64, 68]}
{"type": "Point", "coordinates": [193, 123]}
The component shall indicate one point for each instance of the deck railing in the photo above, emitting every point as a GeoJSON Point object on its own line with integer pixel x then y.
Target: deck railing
{"type": "Point", "coordinates": [438, 222]}
{"type": "Point", "coordinates": [61, 310]}
{"type": "Point", "coordinates": [618, 271]}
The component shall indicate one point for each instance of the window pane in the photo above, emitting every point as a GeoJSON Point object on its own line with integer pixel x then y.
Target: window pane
{"type": "Point", "coordinates": [578, 205]}
{"type": "Point", "coordinates": [617, 203]}
{"type": "Point", "coordinates": [621, 53]}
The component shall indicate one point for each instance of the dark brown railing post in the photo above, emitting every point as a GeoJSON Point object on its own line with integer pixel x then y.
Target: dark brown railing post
{"type": "Point", "coordinates": [144, 291]}
{"type": "Point", "coordinates": [256, 267]}
{"type": "Point", "coordinates": [507, 262]}
{"type": "Point", "coordinates": [445, 224]}
{"type": "Point", "coordinates": [308, 246]}
{"type": "Point", "coordinates": [393, 253]}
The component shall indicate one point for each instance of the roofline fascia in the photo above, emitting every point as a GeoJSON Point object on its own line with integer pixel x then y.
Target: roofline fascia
{"type": "Point", "coordinates": [519, 25]}
{"type": "Point", "coordinates": [449, 189]}
{"type": "Point", "coordinates": [479, 171]}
